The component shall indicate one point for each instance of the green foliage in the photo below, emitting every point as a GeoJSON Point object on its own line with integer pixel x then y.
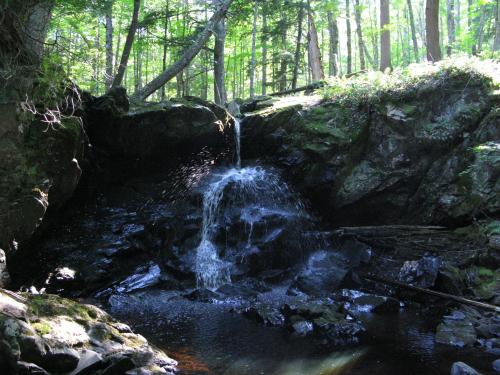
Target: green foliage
{"type": "Point", "coordinates": [376, 87]}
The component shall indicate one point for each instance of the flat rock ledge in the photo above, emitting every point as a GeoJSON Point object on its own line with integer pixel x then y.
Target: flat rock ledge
{"type": "Point", "coordinates": [47, 334]}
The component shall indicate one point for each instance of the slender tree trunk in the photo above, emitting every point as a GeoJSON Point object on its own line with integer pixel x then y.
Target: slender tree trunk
{"type": "Point", "coordinates": [359, 32]}
{"type": "Point", "coordinates": [165, 35]}
{"type": "Point", "coordinates": [385, 37]}
{"type": "Point", "coordinates": [254, 37]}
{"type": "Point", "coordinates": [118, 45]}
{"type": "Point", "coordinates": [283, 56]}
{"type": "Point", "coordinates": [109, 45]}
{"type": "Point", "coordinates": [413, 31]}
{"type": "Point", "coordinates": [187, 56]}
{"type": "Point", "coordinates": [296, 59]}
{"type": "Point", "coordinates": [219, 82]}
{"type": "Point", "coordinates": [469, 25]}
{"type": "Point", "coordinates": [264, 49]}
{"type": "Point", "coordinates": [128, 46]}
{"type": "Point", "coordinates": [432, 30]}
{"type": "Point", "coordinates": [480, 29]}
{"type": "Point", "coordinates": [316, 66]}
{"type": "Point", "coordinates": [496, 41]}
{"type": "Point", "coordinates": [450, 18]}
{"type": "Point", "coordinates": [333, 30]}
{"type": "Point", "coordinates": [374, 38]}
{"type": "Point", "coordinates": [348, 31]}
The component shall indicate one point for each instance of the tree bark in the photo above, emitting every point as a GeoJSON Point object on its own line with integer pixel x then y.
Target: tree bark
{"type": "Point", "coordinates": [186, 57]}
{"type": "Point", "coordinates": [333, 30]}
{"type": "Point", "coordinates": [164, 57]}
{"type": "Point", "coordinates": [348, 31]}
{"type": "Point", "coordinates": [254, 37]}
{"type": "Point", "coordinates": [496, 41]}
{"type": "Point", "coordinates": [385, 37]}
{"type": "Point", "coordinates": [300, 18]}
{"type": "Point", "coordinates": [432, 30]}
{"type": "Point", "coordinates": [219, 70]}
{"type": "Point", "coordinates": [283, 56]}
{"type": "Point", "coordinates": [117, 81]}
{"type": "Point", "coordinates": [480, 29]}
{"type": "Point", "coordinates": [413, 31]}
{"type": "Point", "coordinates": [264, 49]}
{"type": "Point", "coordinates": [109, 44]}
{"type": "Point", "coordinates": [469, 25]}
{"type": "Point", "coordinates": [317, 73]}
{"type": "Point", "coordinates": [450, 18]}
{"type": "Point", "coordinates": [359, 32]}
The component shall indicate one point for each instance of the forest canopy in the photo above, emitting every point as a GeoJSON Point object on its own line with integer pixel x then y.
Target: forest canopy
{"type": "Point", "coordinates": [159, 49]}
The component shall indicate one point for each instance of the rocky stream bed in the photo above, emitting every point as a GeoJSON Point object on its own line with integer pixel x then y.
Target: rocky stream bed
{"type": "Point", "coordinates": [262, 261]}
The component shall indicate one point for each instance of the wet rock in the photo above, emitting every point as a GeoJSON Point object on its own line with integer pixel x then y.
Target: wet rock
{"type": "Point", "coordinates": [119, 364]}
{"type": "Point", "coordinates": [373, 303]}
{"type": "Point", "coordinates": [265, 314]}
{"type": "Point", "coordinates": [4, 273]}
{"type": "Point", "coordinates": [202, 295]}
{"type": "Point", "coordinates": [12, 307]}
{"type": "Point", "coordinates": [324, 273]}
{"type": "Point", "coordinates": [460, 368]}
{"type": "Point", "coordinates": [26, 368]}
{"type": "Point", "coordinates": [457, 329]}
{"type": "Point", "coordinates": [303, 327]}
{"type": "Point", "coordinates": [496, 366]}
{"type": "Point", "coordinates": [421, 273]}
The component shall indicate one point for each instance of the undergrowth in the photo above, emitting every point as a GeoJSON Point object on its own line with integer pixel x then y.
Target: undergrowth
{"type": "Point", "coordinates": [374, 87]}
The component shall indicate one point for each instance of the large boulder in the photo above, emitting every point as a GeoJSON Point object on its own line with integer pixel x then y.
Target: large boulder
{"type": "Point", "coordinates": [56, 335]}
{"type": "Point", "coordinates": [424, 153]}
{"type": "Point", "coordinates": [152, 134]}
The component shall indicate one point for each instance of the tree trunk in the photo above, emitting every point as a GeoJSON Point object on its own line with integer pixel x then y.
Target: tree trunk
{"type": "Point", "coordinates": [109, 45]}
{"type": "Point", "coordinates": [480, 29]}
{"type": "Point", "coordinates": [385, 37]}
{"type": "Point", "coordinates": [186, 57]}
{"type": "Point", "coordinates": [128, 46]}
{"type": "Point", "coordinates": [254, 37]}
{"type": "Point", "coordinates": [348, 31]}
{"type": "Point", "coordinates": [219, 70]}
{"type": "Point", "coordinates": [496, 41]}
{"type": "Point", "coordinates": [359, 32]}
{"type": "Point", "coordinates": [164, 57]}
{"type": "Point", "coordinates": [413, 31]}
{"type": "Point", "coordinates": [450, 18]}
{"type": "Point", "coordinates": [469, 26]}
{"type": "Point", "coordinates": [432, 30]}
{"type": "Point", "coordinates": [264, 49]}
{"type": "Point", "coordinates": [333, 30]}
{"type": "Point", "coordinates": [317, 73]}
{"type": "Point", "coordinates": [283, 56]}
{"type": "Point", "coordinates": [296, 59]}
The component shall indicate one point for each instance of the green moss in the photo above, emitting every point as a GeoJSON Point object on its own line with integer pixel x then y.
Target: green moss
{"type": "Point", "coordinates": [42, 328]}
{"type": "Point", "coordinates": [47, 305]}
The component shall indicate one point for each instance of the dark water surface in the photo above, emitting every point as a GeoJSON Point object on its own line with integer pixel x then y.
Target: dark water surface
{"type": "Point", "coordinates": [211, 339]}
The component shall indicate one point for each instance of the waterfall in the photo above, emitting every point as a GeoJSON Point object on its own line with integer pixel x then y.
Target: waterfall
{"type": "Point", "coordinates": [237, 135]}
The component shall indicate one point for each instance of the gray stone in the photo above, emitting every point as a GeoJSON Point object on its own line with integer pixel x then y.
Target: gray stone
{"type": "Point", "coordinates": [460, 368]}
{"type": "Point", "coordinates": [61, 360]}
{"type": "Point", "coordinates": [303, 327]}
{"type": "Point", "coordinates": [26, 368]}
{"type": "Point", "coordinates": [496, 365]}
{"type": "Point", "coordinates": [90, 361]}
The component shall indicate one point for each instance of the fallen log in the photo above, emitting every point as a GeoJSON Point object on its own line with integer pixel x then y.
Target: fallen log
{"type": "Point", "coordinates": [311, 87]}
{"type": "Point", "coordinates": [462, 300]}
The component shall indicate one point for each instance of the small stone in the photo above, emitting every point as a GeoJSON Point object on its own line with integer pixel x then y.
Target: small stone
{"type": "Point", "coordinates": [303, 327]}
{"type": "Point", "coordinates": [460, 368]}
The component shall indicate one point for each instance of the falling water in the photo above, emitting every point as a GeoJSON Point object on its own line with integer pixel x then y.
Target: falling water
{"type": "Point", "coordinates": [237, 135]}
{"type": "Point", "coordinates": [249, 185]}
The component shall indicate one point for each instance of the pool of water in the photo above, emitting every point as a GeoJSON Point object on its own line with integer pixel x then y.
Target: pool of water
{"type": "Point", "coordinates": [211, 338]}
